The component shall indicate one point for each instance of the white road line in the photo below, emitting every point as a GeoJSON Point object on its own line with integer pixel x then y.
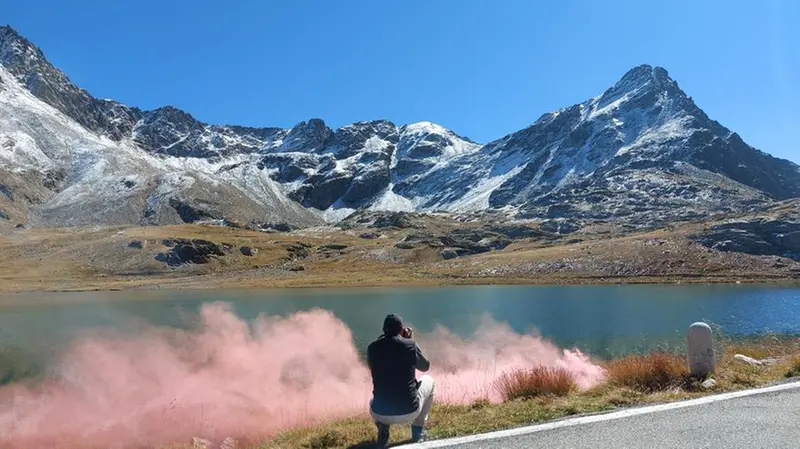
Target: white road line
{"type": "Point", "coordinates": [601, 417]}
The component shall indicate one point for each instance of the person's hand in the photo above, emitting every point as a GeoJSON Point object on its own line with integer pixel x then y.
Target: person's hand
{"type": "Point", "coordinates": [407, 332]}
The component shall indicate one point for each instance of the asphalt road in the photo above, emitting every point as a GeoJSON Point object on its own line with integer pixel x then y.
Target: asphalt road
{"type": "Point", "coordinates": [770, 420]}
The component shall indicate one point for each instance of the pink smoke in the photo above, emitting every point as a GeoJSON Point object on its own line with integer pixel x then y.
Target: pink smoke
{"type": "Point", "coordinates": [233, 379]}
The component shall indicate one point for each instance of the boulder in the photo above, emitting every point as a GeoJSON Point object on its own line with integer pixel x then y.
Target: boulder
{"type": "Point", "coordinates": [370, 235]}
{"type": "Point", "coordinates": [399, 220]}
{"type": "Point", "coordinates": [756, 362]}
{"type": "Point", "coordinates": [136, 244]}
{"type": "Point", "coordinates": [448, 253]}
{"type": "Point", "coordinates": [248, 251]}
{"type": "Point", "coordinates": [771, 361]}
{"type": "Point", "coordinates": [452, 253]}
{"type": "Point", "coordinates": [4, 215]}
{"type": "Point", "coordinates": [747, 360]}
{"type": "Point", "coordinates": [709, 384]}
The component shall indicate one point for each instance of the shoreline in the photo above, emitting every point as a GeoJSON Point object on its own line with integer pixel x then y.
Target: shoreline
{"type": "Point", "coordinates": [159, 284]}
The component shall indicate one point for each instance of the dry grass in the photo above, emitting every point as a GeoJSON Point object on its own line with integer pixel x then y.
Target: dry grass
{"type": "Point", "coordinates": [794, 367]}
{"type": "Point", "coordinates": [650, 373]}
{"type": "Point", "coordinates": [534, 382]}
{"type": "Point", "coordinates": [86, 259]}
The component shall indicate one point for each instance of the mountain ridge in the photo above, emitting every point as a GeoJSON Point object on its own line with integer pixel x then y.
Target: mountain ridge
{"type": "Point", "coordinates": [641, 151]}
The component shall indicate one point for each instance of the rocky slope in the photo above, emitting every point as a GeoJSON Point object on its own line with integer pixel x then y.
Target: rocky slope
{"type": "Point", "coordinates": [642, 153]}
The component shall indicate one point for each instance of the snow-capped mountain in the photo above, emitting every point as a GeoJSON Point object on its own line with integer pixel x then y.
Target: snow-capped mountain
{"type": "Point", "coordinates": [641, 151]}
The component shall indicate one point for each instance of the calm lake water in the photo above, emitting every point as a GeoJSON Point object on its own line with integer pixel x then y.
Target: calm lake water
{"type": "Point", "coordinates": [601, 320]}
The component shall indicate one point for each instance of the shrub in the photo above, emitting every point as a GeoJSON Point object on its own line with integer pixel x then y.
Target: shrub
{"type": "Point", "coordinates": [657, 371]}
{"type": "Point", "coordinates": [794, 367]}
{"type": "Point", "coordinates": [538, 381]}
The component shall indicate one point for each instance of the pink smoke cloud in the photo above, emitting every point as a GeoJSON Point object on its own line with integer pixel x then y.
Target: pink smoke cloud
{"type": "Point", "coordinates": [251, 380]}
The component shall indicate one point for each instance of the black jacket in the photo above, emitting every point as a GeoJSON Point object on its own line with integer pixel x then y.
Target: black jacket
{"type": "Point", "coordinates": [393, 362]}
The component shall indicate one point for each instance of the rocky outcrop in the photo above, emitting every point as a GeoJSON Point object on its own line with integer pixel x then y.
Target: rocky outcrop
{"type": "Point", "coordinates": [763, 237]}
{"type": "Point", "coordinates": [271, 227]}
{"type": "Point", "coordinates": [347, 167]}
{"type": "Point", "coordinates": [383, 220]}
{"type": "Point", "coordinates": [191, 251]}
{"type": "Point", "coordinates": [516, 231]}
{"type": "Point", "coordinates": [457, 242]}
{"type": "Point", "coordinates": [7, 192]}
{"type": "Point", "coordinates": [173, 132]}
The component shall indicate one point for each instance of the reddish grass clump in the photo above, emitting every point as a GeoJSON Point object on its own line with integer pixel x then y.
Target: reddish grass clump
{"type": "Point", "coordinates": [650, 373]}
{"type": "Point", "coordinates": [538, 381]}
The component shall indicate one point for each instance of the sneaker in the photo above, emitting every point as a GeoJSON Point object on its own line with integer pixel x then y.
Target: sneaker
{"type": "Point", "coordinates": [417, 434]}
{"type": "Point", "coordinates": [383, 435]}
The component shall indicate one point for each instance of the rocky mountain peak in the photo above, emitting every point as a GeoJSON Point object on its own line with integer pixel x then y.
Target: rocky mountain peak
{"type": "Point", "coordinates": [13, 45]}
{"type": "Point", "coordinates": [29, 66]}
{"type": "Point", "coordinates": [171, 114]}
{"type": "Point", "coordinates": [643, 82]}
{"type": "Point", "coordinates": [21, 58]}
{"type": "Point", "coordinates": [308, 136]}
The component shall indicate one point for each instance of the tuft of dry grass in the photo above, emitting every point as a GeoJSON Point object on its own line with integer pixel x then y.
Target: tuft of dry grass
{"type": "Point", "coordinates": [534, 382]}
{"type": "Point", "coordinates": [650, 373]}
{"type": "Point", "coordinates": [328, 439]}
{"type": "Point", "coordinates": [794, 367]}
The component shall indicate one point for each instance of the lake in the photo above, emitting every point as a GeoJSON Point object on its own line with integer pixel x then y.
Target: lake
{"type": "Point", "coordinates": [603, 321]}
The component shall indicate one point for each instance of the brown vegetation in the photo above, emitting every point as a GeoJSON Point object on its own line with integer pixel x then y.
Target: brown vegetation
{"type": "Point", "coordinates": [126, 258]}
{"type": "Point", "coordinates": [534, 382]}
{"type": "Point", "coordinates": [650, 373]}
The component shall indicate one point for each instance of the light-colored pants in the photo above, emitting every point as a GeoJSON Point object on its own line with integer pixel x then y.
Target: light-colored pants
{"type": "Point", "coordinates": [420, 416]}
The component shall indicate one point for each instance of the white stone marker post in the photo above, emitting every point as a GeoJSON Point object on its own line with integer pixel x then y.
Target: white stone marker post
{"type": "Point", "coordinates": [700, 348]}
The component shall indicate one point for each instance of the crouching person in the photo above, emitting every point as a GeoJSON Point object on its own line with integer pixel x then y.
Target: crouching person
{"type": "Point", "coordinates": [397, 396]}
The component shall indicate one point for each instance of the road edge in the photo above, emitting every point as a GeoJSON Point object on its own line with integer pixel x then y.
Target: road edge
{"type": "Point", "coordinates": [620, 414]}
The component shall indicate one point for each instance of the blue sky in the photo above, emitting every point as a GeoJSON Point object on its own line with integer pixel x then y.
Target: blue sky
{"type": "Point", "coordinates": [481, 68]}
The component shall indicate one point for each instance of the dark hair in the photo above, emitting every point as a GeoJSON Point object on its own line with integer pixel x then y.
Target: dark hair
{"type": "Point", "coordinates": [392, 325]}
